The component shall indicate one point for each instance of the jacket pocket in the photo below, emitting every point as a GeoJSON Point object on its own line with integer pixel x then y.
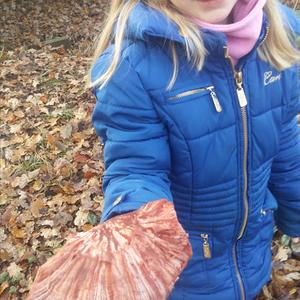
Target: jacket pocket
{"type": "Point", "coordinates": [267, 224]}
{"type": "Point", "coordinates": [200, 272]}
{"type": "Point", "coordinates": [196, 94]}
{"type": "Point", "coordinates": [266, 217]}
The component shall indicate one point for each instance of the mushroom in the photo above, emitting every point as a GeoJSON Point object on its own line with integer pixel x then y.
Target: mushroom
{"type": "Point", "coordinates": [138, 255]}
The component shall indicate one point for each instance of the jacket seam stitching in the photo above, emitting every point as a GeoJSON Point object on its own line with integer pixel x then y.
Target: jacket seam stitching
{"type": "Point", "coordinates": [125, 106]}
{"type": "Point", "coordinates": [138, 140]}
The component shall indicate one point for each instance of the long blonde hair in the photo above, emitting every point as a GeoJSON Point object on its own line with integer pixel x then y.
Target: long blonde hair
{"type": "Point", "coordinates": [277, 48]}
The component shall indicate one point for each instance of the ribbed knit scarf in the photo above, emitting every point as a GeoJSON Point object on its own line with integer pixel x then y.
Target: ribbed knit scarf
{"type": "Point", "coordinates": [242, 34]}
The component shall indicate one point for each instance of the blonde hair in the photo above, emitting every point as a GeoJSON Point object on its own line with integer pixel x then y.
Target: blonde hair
{"type": "Point", "coordinates": [277, 48]}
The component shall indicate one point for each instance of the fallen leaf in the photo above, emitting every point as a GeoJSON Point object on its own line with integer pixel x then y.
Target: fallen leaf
{"type": "Point", "coordinates": [81, 218]}
{"type": "Point", "coordinates": [66, 131]}
{"type": "Point", "coordinates": [18, 232]}
{"type": "Point", "coordinates": [3, 199]}
{"type": "Point", "coordinates": [14, 270]}
{"type": "Point", "coordinates": [20, 181]}
{"type": "Point", "coordinates": [3, 286]}
{"type": "Point", "coordinates": [293, 291]}
{"type": "Point", "coordinates": [81, 158]}
{"type": "Point", "coordinates": [293, 276]}
{"type": "Point", "coordinates": [283, 253]}
{"type": "Point", "coordinates": [35, 207]}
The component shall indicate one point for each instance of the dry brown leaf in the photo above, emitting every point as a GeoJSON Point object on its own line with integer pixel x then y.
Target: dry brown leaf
{"type": "Point", "coordinates": [283, 253]}
{"type": "Point", "coordinates": [37, 185]}
{"type": "Point", "coordinates": [18, 232]}
{"type": "Point", "coordinates": [81, 218]}
{"type": "Point", "coordinates": [4, 255]}
{"type": "Point", "coordinates": [66, 131]}
{"type": "Point", "coordinates": [19, 113]}
{"type": "Point", "coordinates": [82, 158]}
{"type": "Point", "coordinates": [3, 199]}
{"type": "Point", "coordinates": [36, 206]}
{"type": "Point", "coordinates": [3, 286]}
{"type": "Point", "coordinates": [49, 232]}
{"type": "Point", "coordinates": [293, 276]}
{"type": "Point", "coordinates": [20, 181]}
{"type": "Point", "coordinates": [293, 291]}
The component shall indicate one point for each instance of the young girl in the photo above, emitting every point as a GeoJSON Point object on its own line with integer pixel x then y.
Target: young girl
{"type": "Point", "coordinates": [197, 102]}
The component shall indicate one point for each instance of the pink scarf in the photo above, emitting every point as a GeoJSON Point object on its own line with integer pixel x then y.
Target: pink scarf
{"type": "Point", "coordinates": [243, 33]}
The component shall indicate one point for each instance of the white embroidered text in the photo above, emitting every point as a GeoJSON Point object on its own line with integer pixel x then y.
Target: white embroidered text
{"type": "Point", "coordinates": [269, 78]}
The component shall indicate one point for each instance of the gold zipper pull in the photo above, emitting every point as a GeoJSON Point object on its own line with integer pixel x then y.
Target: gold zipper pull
{"type": "Point", "coordinates": [242, 97]}
{"type": "Point", "coordinates": [240, 90]}
{"type": "Point", "coordinates": [206, 247]}
{"type": "Point", "coordinates": [238, 76]}
{"type": "Point", "coordinates": [215, 99]}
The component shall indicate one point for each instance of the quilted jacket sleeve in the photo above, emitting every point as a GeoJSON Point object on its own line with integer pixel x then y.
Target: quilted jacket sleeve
{"type": "Point", "coordinates": [284, 182]}
{"type": "Point", "coordinates": [136, 149]}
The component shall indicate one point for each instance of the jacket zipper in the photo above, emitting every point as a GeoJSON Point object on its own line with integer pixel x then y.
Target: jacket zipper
{"type": "Point", "coordinates": [243, 103]}
{"type": "Point", "coordinates": [205, 245]}
{"type": "Point", "coordinates": [266, 35]}
{"type": "Point", "coordinates": [212, 93]}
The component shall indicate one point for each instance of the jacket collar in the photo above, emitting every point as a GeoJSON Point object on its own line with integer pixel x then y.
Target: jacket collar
{"type": "Point", "coordinates": [145, 23]}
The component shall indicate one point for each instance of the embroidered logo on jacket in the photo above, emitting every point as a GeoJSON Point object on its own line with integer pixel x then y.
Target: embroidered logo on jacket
{"type": "Point", "coordinates": [270, 78]}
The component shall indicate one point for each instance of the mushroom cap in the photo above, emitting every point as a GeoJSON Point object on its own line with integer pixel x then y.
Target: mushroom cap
{"type": "Point", "coordinates": [137, 255]}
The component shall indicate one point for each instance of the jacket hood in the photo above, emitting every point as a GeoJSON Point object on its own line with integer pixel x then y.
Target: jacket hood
{"type": "Point", "coordinates": [145, 22]}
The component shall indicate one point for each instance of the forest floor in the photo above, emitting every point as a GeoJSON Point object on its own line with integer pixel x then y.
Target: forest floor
{"type": "Point", "coordinates": [50, 157]}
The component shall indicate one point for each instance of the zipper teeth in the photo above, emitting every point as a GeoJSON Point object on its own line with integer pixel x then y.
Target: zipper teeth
{"type": "Point", "coordinates": [238, 272]}
{"type": "Point", "coordinates": [266, 35]}
{"type": "Point", "coordinates": [245, 200]}
{"type": "Point", "coordinates": [190, 92]}
{"type": "Point", "coordinates": [246, 206]}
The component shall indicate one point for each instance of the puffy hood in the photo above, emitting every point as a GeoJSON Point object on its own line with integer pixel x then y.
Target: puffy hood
{"type": "Point", "coordinates": [145, 22]}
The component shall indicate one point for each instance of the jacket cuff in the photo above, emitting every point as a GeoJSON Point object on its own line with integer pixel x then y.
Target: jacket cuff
{"type": "Point", "coordinates": [118, 208]}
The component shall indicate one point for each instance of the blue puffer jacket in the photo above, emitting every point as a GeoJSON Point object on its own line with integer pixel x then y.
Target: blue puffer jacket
{"type": "Point", "coordinates": [225, 151]}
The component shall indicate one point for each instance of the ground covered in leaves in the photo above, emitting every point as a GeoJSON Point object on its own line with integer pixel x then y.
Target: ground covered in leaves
{"type": "Point", "coordinates": [51, 159]}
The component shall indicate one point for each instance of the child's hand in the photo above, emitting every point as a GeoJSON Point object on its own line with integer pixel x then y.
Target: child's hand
{"type": "Point", "coordinates": [137, 255]}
